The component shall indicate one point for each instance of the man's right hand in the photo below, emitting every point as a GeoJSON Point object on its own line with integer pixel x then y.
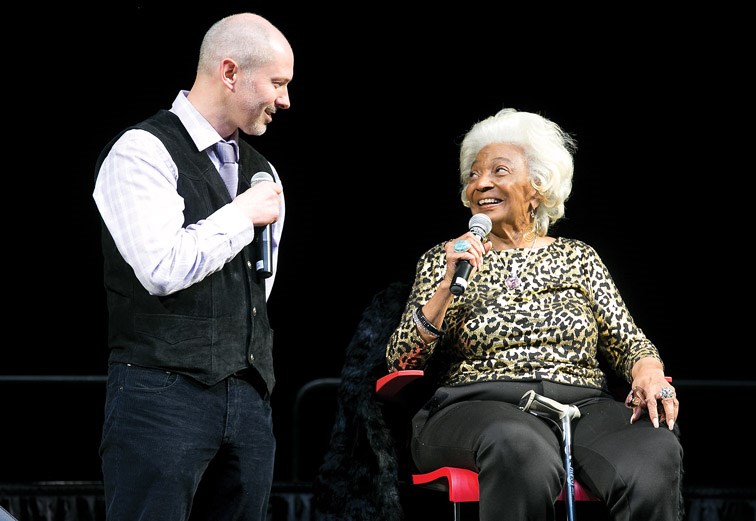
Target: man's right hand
{"type": "Point", "coordinates": [261, 202]}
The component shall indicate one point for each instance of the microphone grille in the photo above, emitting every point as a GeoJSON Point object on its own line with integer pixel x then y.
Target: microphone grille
{"type": "Point", "coordinates": [480, 224]}
{"type": "Point", "coordinates": [260, 176]}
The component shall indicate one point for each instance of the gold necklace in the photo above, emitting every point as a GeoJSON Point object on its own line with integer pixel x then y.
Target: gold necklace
{"type": "Point", "coordinates": [513, 281]}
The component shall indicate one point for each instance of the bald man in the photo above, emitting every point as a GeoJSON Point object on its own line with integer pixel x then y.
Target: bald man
{"type": "Point", "coordinates": [192, 217]}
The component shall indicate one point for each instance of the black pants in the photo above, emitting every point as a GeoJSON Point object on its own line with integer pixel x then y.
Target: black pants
{"type": "Point", "coordinates": [636, 470]}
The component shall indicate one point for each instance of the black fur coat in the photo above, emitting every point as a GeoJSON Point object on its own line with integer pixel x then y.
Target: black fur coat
{"type": "Point", "coordinates": [359, 477]}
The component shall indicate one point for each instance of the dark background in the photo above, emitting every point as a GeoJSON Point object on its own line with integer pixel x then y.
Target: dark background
{"type": "Point", "coordinates": [368, 155]}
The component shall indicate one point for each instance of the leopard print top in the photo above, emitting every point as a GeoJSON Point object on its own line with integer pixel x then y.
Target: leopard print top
{"type": "Point", "coordinates": [552, 327]}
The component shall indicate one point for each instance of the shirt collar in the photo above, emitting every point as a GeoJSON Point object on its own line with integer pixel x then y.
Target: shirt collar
{"type": "Point", "coordinates": [200, 130]}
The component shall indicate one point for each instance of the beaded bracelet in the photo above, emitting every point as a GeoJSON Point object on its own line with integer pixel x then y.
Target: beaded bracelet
{"type": "Point", "coordinates": [420, 325]}
{"type": "Point", "coordinates": [424, 324]}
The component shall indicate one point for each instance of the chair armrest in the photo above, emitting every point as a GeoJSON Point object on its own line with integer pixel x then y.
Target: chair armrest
{"type": "Point", "coordinates": [461, 484]}
{"type": "Point", "coordinates": [389, 387]}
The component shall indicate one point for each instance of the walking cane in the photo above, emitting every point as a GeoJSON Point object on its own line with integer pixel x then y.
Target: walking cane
{"type": "Point", "coordinates": [543, 407]}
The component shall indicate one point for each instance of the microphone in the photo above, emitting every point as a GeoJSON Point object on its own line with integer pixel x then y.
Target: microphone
{"type": "Point", "coordinates": [479, 225]}
{"type": "Point", "coordinates": [263, 241]}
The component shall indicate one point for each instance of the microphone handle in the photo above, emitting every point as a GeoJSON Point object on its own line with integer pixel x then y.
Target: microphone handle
{"type": "Point", "coordinates": [263, 240]}
{"type": "Point", "coordinates": [264, 264]}
{"type": "Point", "coordinates": [459, 284]}
{"type": "Point", "coordinates": [461, 274]}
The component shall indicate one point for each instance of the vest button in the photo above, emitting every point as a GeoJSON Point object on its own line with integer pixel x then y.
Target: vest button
{"type": "Point", "coordinates": [254, 311]}
{"type": "Point", "coordinates": [249, 264]}
{"type": "Point", "coordinates": [251, 359]}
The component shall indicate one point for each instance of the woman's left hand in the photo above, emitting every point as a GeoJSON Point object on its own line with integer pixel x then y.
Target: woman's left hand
{"type": "Point", "coordinates": [651, 388]}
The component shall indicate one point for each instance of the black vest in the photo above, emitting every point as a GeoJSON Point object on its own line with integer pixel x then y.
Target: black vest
{"type": "Point", "coordinates": [213, 328]}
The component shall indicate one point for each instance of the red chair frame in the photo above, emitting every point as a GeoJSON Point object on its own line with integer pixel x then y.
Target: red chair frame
{"type": "Point", "coordinates": [461, 485]}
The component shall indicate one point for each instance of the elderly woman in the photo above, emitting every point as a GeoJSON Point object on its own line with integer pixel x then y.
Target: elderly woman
{"type": "Point", "coordinates": [537, 314]}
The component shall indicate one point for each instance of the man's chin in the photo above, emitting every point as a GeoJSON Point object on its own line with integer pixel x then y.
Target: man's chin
{"type": "Point", "coordinates": [257, 130]}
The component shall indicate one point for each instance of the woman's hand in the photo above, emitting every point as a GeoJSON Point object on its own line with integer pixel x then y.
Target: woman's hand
{"type": "Point", "coordinates": [467, 247]}
{"type": "Point", "coordinates": [651, 387]}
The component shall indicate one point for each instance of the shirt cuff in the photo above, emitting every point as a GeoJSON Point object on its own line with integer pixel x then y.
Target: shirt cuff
{"type": "Point", "coordinates": [236, 224]}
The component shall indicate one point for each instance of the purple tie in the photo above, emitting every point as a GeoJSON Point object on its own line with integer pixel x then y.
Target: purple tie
{"type": "Point", "coordinates": [229, 167]}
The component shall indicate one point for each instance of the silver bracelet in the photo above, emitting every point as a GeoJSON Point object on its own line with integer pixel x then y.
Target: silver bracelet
{"type": "Point", "coordinates": [420, 325]}
{"type": "Point", "coordinates": [424, 324]}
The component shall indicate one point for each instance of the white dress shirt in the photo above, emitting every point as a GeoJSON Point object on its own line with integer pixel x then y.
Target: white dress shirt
{"type": "Point", "coordinates": [136, 196]}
